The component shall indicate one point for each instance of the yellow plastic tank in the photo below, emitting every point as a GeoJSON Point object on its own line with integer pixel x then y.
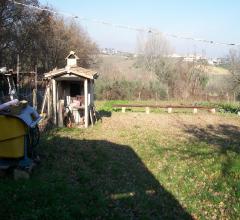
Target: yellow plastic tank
{"type": "Point", "coordinates": [12, 134]}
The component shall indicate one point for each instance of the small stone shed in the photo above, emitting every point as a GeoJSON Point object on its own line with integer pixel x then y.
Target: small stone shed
{"type": "Point", "coordinates": [71, 90]}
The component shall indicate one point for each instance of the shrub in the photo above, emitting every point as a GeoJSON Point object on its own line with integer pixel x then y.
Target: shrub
{"type": "Point", "coordinates": [228, 107]}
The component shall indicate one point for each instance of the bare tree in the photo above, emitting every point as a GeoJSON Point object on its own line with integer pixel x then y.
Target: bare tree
{"type": "Point", "coordinates": [151, 48]}
{"type": "Point", "coordinates": [182, 79]}
{"type": "Point", "coordinates": [40, 38]}
{"type": "Point", "coordinates": [234, 58]}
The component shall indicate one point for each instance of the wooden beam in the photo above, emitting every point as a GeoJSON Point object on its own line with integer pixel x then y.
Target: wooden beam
{"type": "Point", "coordinates": [86, 112]}
{"type": "Point", "coordinates": [159, 106]}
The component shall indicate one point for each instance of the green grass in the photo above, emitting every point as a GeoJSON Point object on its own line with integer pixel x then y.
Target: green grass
{"type": "Point", "coordinates": [133, 166]}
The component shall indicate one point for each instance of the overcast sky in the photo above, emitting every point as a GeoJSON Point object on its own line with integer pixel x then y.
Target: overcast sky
{"type": "Point", "coordinates": [216, 20]}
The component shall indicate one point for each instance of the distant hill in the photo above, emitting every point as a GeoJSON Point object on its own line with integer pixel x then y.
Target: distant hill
{"type": "Point", "coordinates": [217, 70]}
{"type": "Point", "coordinates": [122, 67]}
{"type": "Point", "coordinates": [125, 67]}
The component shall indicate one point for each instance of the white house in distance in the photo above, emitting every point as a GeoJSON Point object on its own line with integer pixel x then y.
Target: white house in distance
{"type": "Point", "coordinates": [71, 89]}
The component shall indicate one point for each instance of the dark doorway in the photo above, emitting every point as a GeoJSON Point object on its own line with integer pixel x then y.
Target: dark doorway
{"type": "Point", "coordinates": [76, 89]}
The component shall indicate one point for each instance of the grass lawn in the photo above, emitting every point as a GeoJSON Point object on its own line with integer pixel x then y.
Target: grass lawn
{"type": "Point", "coordinates": [133, 166]}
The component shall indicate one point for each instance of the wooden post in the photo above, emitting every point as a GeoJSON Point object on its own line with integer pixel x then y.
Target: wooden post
{"type": "Point", "coordinates": [91, 101]}
{"type": "Point", "coordinates": [35, 77]}
{"type": "Point", "coordinates": [147, 110]}
{"type": "Point", "coordinates": [123, 109]}
{"type": "Point", "coordinates": [44, 100]}
{"type": "Point", "coordinates": [169, 110]}
{"type": "Point", "coordinates": [213, 110]}
{"type": "Point", "coordinates": [18, 69]}
{"type": "Point", "coordinates": [91, 115]}
{"type": "Point", "coordinates": [54, 101]}
{"type": "Point", "coordinates": [36, 87]}
{"type": "Point", "coordinates": [86, 102]}
{"type": "Point", "coordinates": [57, 95]}
{"type": "Point", "coordinates": [60, 112]}
{"type": "Point", "coordinates": [195, 111]}
{"type": "Point", "coordinates": [34, 99]}
{"type": "Point", "coordinates": [91, 93]}
{"type": "Point", "coordinates": [49, 113]}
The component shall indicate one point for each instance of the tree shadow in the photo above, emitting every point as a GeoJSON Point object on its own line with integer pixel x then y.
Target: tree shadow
{"type": "Point", "coordinates": [225, 137]}
{"type": "Point", "coordinates": [109, 181]}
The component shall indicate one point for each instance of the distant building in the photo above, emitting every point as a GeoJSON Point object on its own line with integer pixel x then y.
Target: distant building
{"type": "Point", "coordinates": [216, 61]}
{"type": "Point", "coordinates": [109, 51]}
{"type": "Point", "coordinates": [174, 55]}
{"type": "Point", "coordinates": [192, 57]}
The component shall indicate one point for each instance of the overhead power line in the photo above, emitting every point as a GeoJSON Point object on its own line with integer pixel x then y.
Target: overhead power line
{"type": "Point", "coordinates": [127, 27]}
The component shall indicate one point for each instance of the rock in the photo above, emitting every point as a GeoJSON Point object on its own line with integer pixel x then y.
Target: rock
{"type": "Point", "coordinates": [20, 174]}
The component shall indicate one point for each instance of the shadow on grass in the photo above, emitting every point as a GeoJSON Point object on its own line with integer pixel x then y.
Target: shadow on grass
{"type": "Point", "coordinates": [89, 179]}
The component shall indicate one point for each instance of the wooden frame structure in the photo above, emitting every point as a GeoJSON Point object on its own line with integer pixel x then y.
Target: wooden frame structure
{"type": "Point", "coordinates": [59, 92]}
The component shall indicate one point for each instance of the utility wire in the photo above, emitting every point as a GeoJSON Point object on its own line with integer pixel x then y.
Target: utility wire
{"type": "Point", "coordinates": [127, 27]}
